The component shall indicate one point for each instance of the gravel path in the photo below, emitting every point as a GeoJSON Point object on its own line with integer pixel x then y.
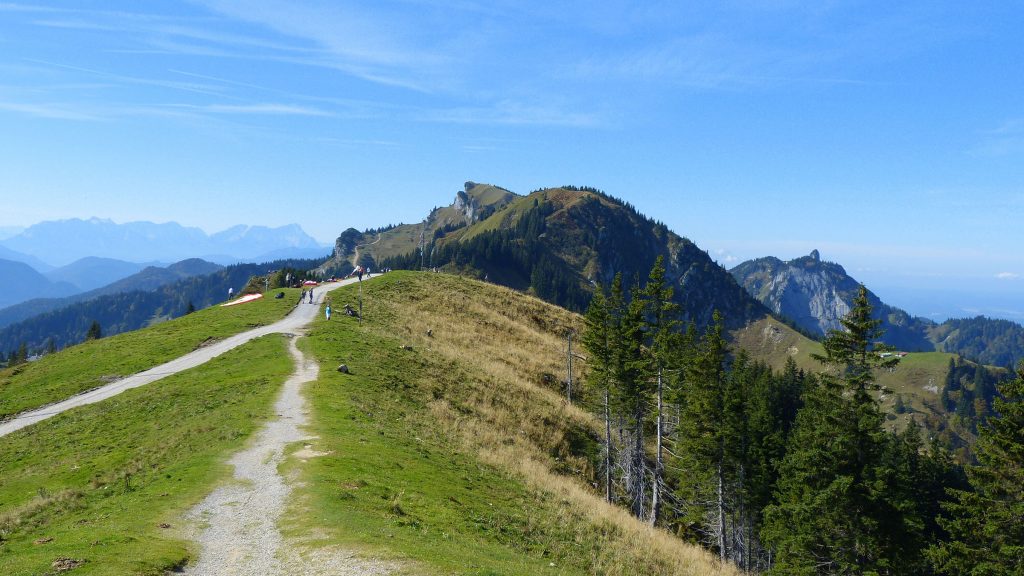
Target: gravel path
{"type": "Point", "coordinates": [238, 522]}
{"type": "Point", "coordinates": [296, 320]}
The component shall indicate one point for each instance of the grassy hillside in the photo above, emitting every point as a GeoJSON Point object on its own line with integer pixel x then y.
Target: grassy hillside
{"type": "Point", "coordinates": [106, 484]}
{"type": "Point", "coordinates": [455, 451]}
{"type": "Point", "coordinates": [913, 388]}
{"type": "Point", "coordinates": [94, 363]}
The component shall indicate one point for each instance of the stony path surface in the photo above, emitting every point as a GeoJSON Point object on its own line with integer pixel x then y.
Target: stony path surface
{"type": "Point", "coordinates": [296, 320]}
{"type": "Point", "coordinates": [237, 523]}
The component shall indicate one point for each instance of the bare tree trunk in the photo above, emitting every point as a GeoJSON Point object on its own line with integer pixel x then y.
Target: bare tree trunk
{"type": "Point", "coordinates": [721, 514]}
{"type": "Point", "coordinates": [637, 463]}
{"type": "Point", "coordinates": [658, 463]}
{"type": "Point", "coordinates": [607, 448]}
{"type": "Point", "coordinates": [568, 386]}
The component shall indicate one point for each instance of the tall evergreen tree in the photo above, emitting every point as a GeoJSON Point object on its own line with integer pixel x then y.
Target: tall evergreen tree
{"type": "Point", "coordinates": [832, 499]}
{"type": "Point", "coordinates": [660, 316]}
{"type": "Point", "coordinates": [95, 332]}
{"type": "Point", "coordinates": [986, 525]}
{"type": "Point", "coordinates": [597, 340]}
{"type": "Point", "coordinates": [633, 392]}
{"type": "Point", "coordinates": [705, 439]}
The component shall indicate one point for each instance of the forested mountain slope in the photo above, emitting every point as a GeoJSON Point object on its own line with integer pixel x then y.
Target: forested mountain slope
{"type": "Point", "coordinates": [559, 243]}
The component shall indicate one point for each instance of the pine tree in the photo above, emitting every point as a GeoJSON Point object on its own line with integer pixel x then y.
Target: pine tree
{"type": "Point", "coordinates": [94, 332]}
{"type": "Point", "coordinates": [986, 525]}
{"type": "Point", "coordinates": [597, 341]}
{"type": "Point", "coordinates": [660, 323]}
{"type": "Point", "coordinates": [832, 499]}
{"type": "Point", "coordinates": [633, 391]}
{"type": "Point", "coordinates": [706, 437]}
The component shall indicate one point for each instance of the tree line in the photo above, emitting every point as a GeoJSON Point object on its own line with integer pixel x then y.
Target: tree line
{"type": "Point", "coordinates": [788, 472]}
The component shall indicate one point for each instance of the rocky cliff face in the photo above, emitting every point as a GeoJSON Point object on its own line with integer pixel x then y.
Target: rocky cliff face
{"type": "Point", "coordinates": [816, 295]}
{"type": "Point", "coordinates": [812, 293]}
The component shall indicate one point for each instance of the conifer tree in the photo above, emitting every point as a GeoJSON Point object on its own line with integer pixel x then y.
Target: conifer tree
{"type": "Point", "coordinates": [94, 332]}
{"type": "Point", "coordinates": [633, 390]}
{"type": "Point", "coordinates": [832, 500]}
{"type": "Point", "coordinates": [660, 323]}
{"type": "Point", "coordinates": [705, 438]}
{"type": "Point", "coordinates": [597, 340]}
{"type": "Point", "coordinates": [986, 525]}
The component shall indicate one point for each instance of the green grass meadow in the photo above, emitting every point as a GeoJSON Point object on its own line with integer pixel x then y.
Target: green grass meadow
{"type": "Point", "coordinates": [396, 479]}
{"type": "Point", "coordinates": [95, 363]}
{"type": "Point", "coordinates": [108, 484]}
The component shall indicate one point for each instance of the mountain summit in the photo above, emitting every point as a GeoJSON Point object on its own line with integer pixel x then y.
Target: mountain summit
{"type": "Point", "coordinates": [556, 243]}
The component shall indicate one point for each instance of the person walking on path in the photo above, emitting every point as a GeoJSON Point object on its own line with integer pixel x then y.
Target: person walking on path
{"type": "Point", "coordinates": [310, 295]}
{"type": "Point", "coordinates": [231, 292]}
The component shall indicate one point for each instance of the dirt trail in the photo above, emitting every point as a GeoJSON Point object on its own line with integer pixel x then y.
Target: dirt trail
{"type": "Point", "coordinates": [296, 320]}
{"type": "Point", "coordinates": [238, 531]}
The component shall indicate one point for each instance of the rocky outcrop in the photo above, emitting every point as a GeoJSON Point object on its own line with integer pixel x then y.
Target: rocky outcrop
{"type": "Point", "coordinates": [816, 295]}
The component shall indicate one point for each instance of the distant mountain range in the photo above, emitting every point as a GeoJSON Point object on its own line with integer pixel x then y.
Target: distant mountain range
{"type": "Point", "coordinates": [20, 282]}
{"type": "Point", "coordinates": [147, 279]}
{"type": "Point", "coordinates": [815, 295]}
{"type": "Point", "coordinates": [152, 295]}
{"type": "Point", "coordinates": [61, 242]}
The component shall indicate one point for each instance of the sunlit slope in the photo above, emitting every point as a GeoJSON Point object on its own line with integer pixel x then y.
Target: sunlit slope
{"type": "Point", "coordinates": [450, 446]}
{"type": "Point", "coordinates": [97, 362]}
{"type": "Point", "coordinates": [476, 202]}
{"type": "Point", "coordinates": [105, 486]}
{"type": "Point", "coordinates": [912, 388]}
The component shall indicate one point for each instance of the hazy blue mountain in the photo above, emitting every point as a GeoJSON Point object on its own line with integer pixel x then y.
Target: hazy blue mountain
{"type": "Point", "coordinates": [93, 272]}
{"type": "Point", "coordinates": [62, 242]}
{"type": "Point", "coordinates": [148, 279]}
{"type": "Point", "coordinates": [20, 282]}
{"type": "Point", "coordinates": [130, 310]}
{"type": "Point", "coordinates": [8, 231]}
{"type": "Point", "coordinates": [15, 256]}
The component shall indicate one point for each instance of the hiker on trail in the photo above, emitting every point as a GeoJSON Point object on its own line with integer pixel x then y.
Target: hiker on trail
{"type": "Point", "coordinates": [327, 311]}
{"type": "Point", "coordinates": [310, 295]}
{"type": "Point", "coordinates": [230, 292]}
{"type": "Point", "coordinates": [367, 271]}
{"type": "Point", "coordinates": [359, 272]}
{"type": "Point", "coordinates": [303, 295]}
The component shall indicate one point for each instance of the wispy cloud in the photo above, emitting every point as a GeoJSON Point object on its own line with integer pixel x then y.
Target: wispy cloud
{"type": "Point", "coordinates": [1007, 276]}
{"type": "Point", "coordinates": [54, 111]}
{"type": "Point", "coordinates": [1004, 140]}
{"type": "Point", "coordinates": [260, 109]}
{"type": "Point", "coordinates": [509, 112]}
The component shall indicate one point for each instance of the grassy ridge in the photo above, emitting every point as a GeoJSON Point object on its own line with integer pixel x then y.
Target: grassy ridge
{"type": "Point", "coordinates": [91, 364]}
{"type": "Point", "coordinates": [458, 453]}
{"type": "Point", "coordinates": [101, 480]}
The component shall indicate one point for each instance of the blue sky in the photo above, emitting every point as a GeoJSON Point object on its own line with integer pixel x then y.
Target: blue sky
{"type": "Point", "coordinates": [890, 136]}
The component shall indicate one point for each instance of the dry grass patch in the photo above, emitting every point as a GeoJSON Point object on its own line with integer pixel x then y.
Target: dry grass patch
{"type": "Point", "coordinates": [483, 377]}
